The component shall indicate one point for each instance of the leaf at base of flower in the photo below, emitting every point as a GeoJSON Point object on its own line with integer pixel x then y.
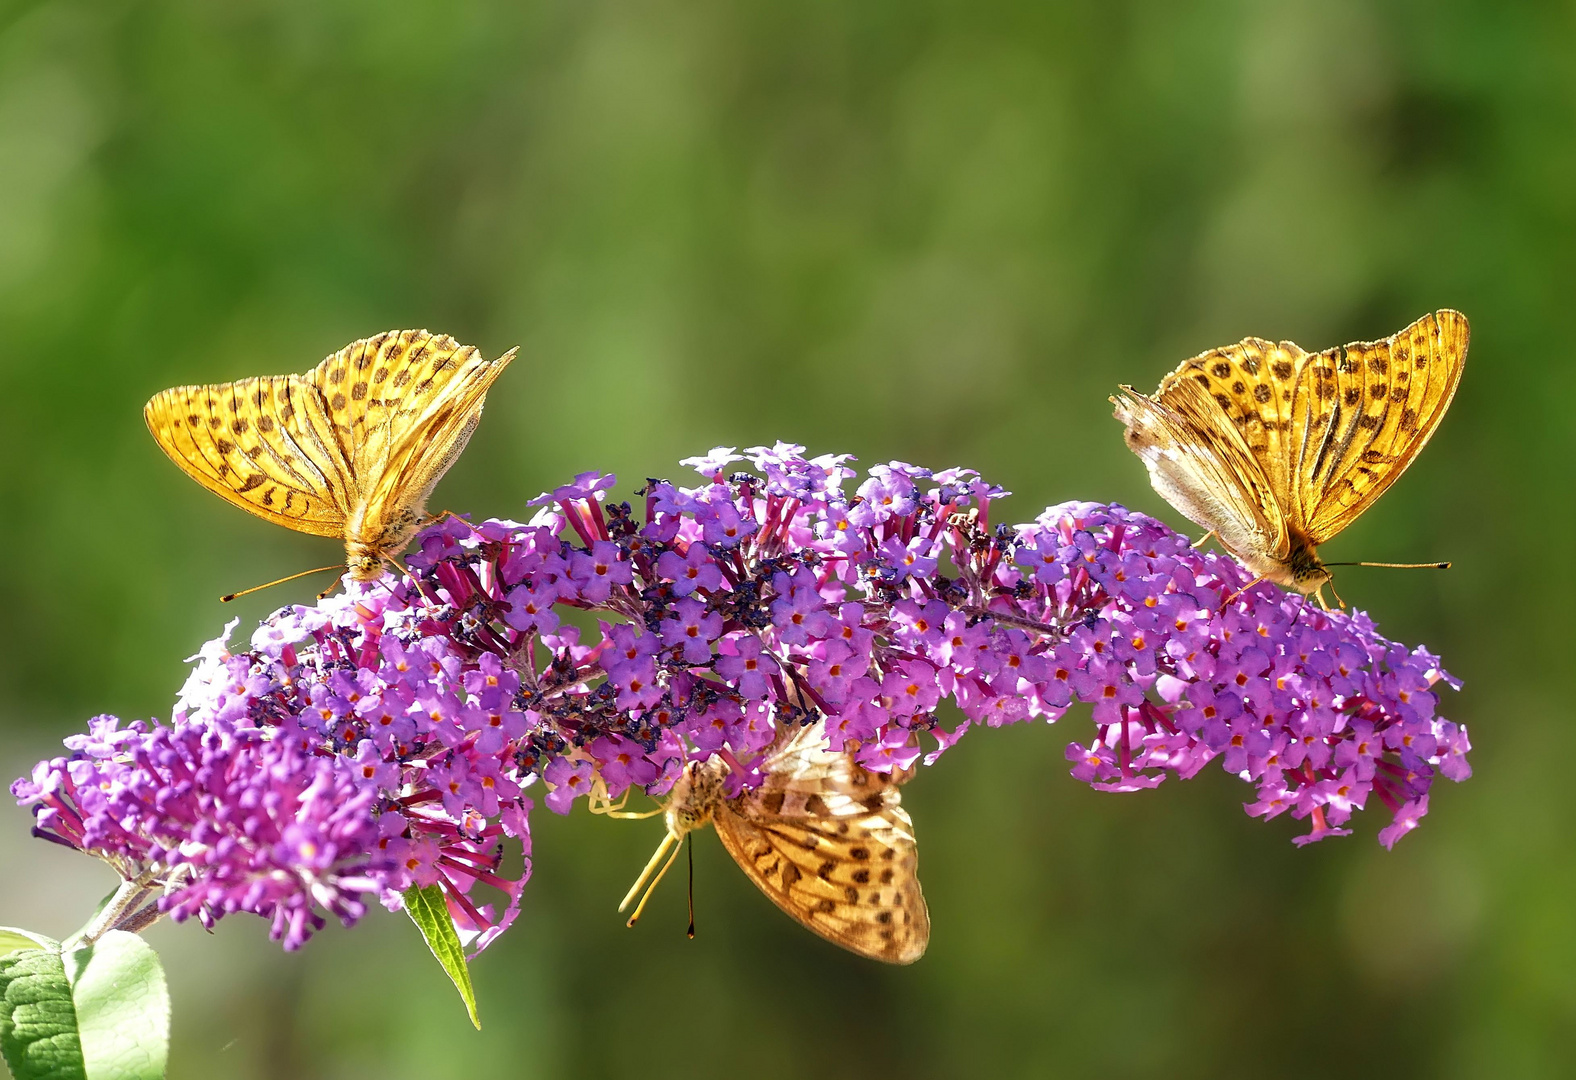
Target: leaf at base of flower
{"type": "Point", "coordinates": [38, 1023]}
{"type": "Point", "coordinates": [122, 1005]}
{"type": "Point", "coordinates": [431, 916]}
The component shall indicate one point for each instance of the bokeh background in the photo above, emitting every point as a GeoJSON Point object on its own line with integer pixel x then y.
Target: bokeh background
{"type": "Point", "coordinates": [938, 232]}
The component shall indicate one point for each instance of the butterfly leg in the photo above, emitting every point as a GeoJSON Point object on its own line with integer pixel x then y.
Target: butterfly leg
{"type": "Point", "coordinates": [668, 841]}
{"type": "Point", "coordinates": [1227, 602]}
{"type": "Point", "coordinates": [1201, 541]}
{"type": "Point", "coordinates": [598, 803]}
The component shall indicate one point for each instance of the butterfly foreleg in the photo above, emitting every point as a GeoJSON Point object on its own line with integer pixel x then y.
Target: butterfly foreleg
{"type": "Point", "coordinates": [598, 803]}
{"type": "Point", "coordinates": [1201, 541]}
{"type": "Point", "coordinates": [1231, 598]}
{"type": "Point", "coordinates": [668, 841]}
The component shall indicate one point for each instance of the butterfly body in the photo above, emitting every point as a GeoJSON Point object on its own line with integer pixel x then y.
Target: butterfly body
{"type": "Point", "coordinates": [825, 839]}
{"type": "Point", "coordinates": [1276, 450]}
{"type": "Point", "coordinates": [352, 449]}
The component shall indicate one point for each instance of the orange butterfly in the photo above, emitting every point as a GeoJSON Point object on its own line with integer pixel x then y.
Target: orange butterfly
{"type": "Point", "coordinates": [351, 449]}
{"type": "Point", "coordinates": [825, 839]}
{"type": "Point", "coordinates": [1276, 450]}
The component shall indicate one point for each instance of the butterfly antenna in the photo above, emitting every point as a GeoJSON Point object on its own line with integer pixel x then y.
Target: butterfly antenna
{"type": "Point", "coordinates": [279, 581]}
{"type": "Point", "coordinates": [1397, 565]}
{"type": "Point", "coordinates": [668, 841]}
{"type": "Point", "coordinates": [689, 846]}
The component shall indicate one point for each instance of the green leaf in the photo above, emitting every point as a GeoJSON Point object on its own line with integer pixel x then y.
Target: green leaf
{"type": "Point", "coordinates": [38, 1023]}
{"type": "Point", "coordinates": [431, 916]}
{"type": "Point", "coordinates": [13, 938]}
{"type": "Point", "coordinates": [123, 1007]}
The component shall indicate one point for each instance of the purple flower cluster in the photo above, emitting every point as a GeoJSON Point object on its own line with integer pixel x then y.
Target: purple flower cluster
{"type": "Point", "coordinates": [384, 737]}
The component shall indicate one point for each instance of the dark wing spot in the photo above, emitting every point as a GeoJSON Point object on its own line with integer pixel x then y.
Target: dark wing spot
{"type": "Point", "coordinates": [336, 402]}
{"type": "Point", "coordinates": [268, 497]}
{"type": "Point", "coordinates": [240, 425]}
{"type": "Point", "coordinates": [224, 446]}
{"type": "Point", "coordinates": [1201, 379]}
{"type": "Point", "coordinates": [258, 396]}
{"type": "Point", "coordinates": [816, 806]}
{"type": "Point", "coordinates": [1347, 363]}
{"type": "Point", "coordinates": [772, 802]}
{"type": "Point", "coordinates": [265, 424]}
{"type": "Point", "coordinates": [886, 876]}
{"type": "Point", "coordinates": [790, 874]}
{"type": "Point", "coordinates": [1251, 365]}
{"type": "Point", "coordinates": [1326, 389]}
{"type": "Point", "coordinates": [1282, 369]}
{"type": "Point", "coordinates": [859, 854]}
{"type": "Point", "coordinates": [1367, 423]}
{"type": "Point", "coordinates": [1221, 369]}
{"type": "Point", "coordinates": [254, 481]}
{"type": "Point", "coordinates": [1352, 395]}
{"type": "Point", "coordinates": [402, 378]}
{"type": "Point", "coordinates": [442, 363]}
{"type": "Point", "coordinates": [1374, 457]}
{"type": "Point", "coordinates": [358, 392]}
{"type": "Point", "coordinates": [1378, 390]}
{"type": "Point", "coordinates": [851, 894]}
{"type": "Point", "coordinates": [1262, 394]}
{"type": "Point", "coordinates": [883, 917]}
{"type": "Point", "coordinates": [192, 419]}
{"type": "Point", "coordinates": [1379, 365]}
{"type": "Point", "coordinates": [1225, 402]}
{"type": "Point", "coordinates": [1409, 421]}
{"type": "Point", "coordinates": [364, 361]}
{"type": "Point", "coordinates": [423, 386]}
{"type": "Point", "coordinates": [380, 374]}
{"type": "Point", "coordinates": [826, 907]}
{"type": "Point", "coordinates": [824, 871]}
{"type": "Point", "coordinates": [1238, 387]}
{"type": "Point", "coordinates": [336, 374]}
{"type": "Point", "coordinates": [1398, 394]}
{"type": "Point", "coordinates": [862, 876]}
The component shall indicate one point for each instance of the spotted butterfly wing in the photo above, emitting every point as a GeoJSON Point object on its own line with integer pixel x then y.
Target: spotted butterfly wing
{"type": "Point", "coordinates": [830, 843]}
{"type": "Point", "coordinates": [267, 445]}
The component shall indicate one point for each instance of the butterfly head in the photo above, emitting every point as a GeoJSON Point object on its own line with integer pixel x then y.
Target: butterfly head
{"type": "Point", "coordinates": [1308, 575]}
{"type": "Point", "coordinates": [695, 796]}
{"type": "Point", "coordinates": [364, 562]}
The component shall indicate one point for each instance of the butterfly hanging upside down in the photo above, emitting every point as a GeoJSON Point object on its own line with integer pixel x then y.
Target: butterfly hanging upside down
{"type": "Point", "coordinates": [1276, 450]}
{"type": "Point", "coordinates": [825, 839]}
{"type": "Point", "coordinates": [351, 449]}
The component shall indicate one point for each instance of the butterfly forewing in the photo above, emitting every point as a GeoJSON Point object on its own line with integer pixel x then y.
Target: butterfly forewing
{"type": "Point", "coordinates": [1364, 411]}
{"type": "Point", "coordinates": [830, 843]}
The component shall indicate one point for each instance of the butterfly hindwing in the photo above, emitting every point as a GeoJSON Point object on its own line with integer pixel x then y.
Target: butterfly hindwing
{"type": "Point", "coordinates": [263, 444]}
{"type": "Point", "coordinates": [830, 843]}
{"type": "Point", "coordinates": [1202, 466]}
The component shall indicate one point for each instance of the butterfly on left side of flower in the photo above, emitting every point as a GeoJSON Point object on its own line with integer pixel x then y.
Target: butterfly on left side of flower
{"type": "Point", "coordinates": [352, 449]}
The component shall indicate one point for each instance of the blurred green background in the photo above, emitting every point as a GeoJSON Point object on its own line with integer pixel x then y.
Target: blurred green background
{"type": "Point", "coordinates": [919, 230]}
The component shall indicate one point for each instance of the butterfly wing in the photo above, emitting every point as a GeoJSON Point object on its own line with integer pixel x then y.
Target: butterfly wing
{"type": "Point", "coordinates": [267, 445]}
{"type": "Point", "coordinates": [830, 843]}
{"type": "Point", "coordinates": [1254, 383]}
{"type": "Point", "coordinates": [1199, 462]}
{"type": "Point", "coordinates": [404, 405]}
{"type": "Point", "coordinates": [1362, 412]}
